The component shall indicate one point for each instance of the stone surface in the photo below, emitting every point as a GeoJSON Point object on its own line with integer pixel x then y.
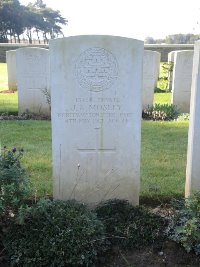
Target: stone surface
{"type": "Point", "coordinates": [96, 84]}
{"type": "Point", "coordinates": [170, 73]}
{"type": "Point", "coordinates": [11, 69]}
{"type": "Point", "coordinates": [193, 154]}
{"type": "Point", "coordinates": [151, 66]}
{"type": "Point", "coordinates": [33, 80]}
{"type": "Point", "coordinates": [182, 79]}
{"type": "Point", "coordinates": [171, 56]}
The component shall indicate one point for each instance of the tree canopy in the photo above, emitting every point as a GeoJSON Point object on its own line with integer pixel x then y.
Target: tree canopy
{"type": "Point", "coordinates": [174, 39]}
{"type": "Point", "coordinates": [33, 21]}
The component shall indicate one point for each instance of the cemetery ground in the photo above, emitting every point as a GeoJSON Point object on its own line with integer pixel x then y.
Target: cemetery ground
{"type": "Point", "coordinates": [163, 161]}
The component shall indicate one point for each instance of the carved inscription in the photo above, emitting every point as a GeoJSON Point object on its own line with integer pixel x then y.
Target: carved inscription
{"type": "Point", "coordinates": [96, 69]}
{"type": "Point", "coordinates": [97, 110]}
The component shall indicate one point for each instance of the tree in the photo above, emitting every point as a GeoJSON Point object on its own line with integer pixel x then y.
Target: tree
{"type": "Point", "coordinates": [33, 19]}
{"type": "Point", "coordinates": [11, 24]}
{"type": "Point", "coordinates": [149, 40]}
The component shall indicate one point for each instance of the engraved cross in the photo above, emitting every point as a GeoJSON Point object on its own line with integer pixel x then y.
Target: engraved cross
{"type": "Point", "coordinates": [99, 147]}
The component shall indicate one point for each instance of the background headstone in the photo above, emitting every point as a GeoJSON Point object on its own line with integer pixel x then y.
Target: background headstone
{"type": "Point", "coordinates": [182, 79]}
{"type": "Point", "coordinates": [193, 154]}
{"type": "Point", "coordinates": [170, 73]}
{"type": "Point", "coordinates": [151, 64]}
{"type": "Point", "coordinates": [33, 80]}
{"type": "Point", "coordinates": [11, 69]}
{"type": "Point", "coordinates": [96, 84]}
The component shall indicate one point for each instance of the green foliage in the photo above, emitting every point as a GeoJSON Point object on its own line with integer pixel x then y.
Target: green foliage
{"type": "Point", "coordinates": [163, 81]}
{"type": "Point", "coordinates": [167, 67]}
{"type": "Point", "coordinates": [180, 38]}
{"type": "Point", "coordinates": [47, 95]}
{"type": "Point", "coordinates": [16, 19]}
{"type": "Point", "coordinates": [14, 183]}
{"type": "Point", "coordinates": [184, 226]}
{"type": "Point", "coordinates": [160, 112]}
{"type": "Point", "coordinates": [183, 117]}
{"type": "Point", "coordinates": [55, 233]}
{"type": "Point", "coordinates": [128, 226]}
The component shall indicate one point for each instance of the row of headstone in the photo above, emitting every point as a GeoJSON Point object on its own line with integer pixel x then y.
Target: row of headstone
{"type": "Point", "coordinates": [186, 96]}
{"type": "Point", "coordinates": [96, 87]}
{"type": "Point", "coordinates": [96, 121]}
{"type": "Point", "coordinates": [31, 76]}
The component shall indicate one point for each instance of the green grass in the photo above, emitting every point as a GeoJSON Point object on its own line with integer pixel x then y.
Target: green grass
{"type": "Point", "coordinates": [163, 156]}
{"type": "Point", "coordinates": [35, 138]}
{"type": "Point", "coordinates": [3, 77]}
{"type": "Point", "coordinates": [163, 159]}
{"type": "Point", "coordinates": [162, 98]}
{"type": "Point", "coordinates": [9, 102]}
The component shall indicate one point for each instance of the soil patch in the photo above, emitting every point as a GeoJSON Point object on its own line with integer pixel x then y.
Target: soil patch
{"type": "Point", "coordinates": [7, 91]}
{"type": "Point", "coordinates": [159, 255]}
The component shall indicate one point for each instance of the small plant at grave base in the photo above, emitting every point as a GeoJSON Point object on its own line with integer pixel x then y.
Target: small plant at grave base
{"type": "Point", "coordinates": [184, 226]}
{"type": "Point", "coordinates": [48, 97]}
{"type": "Point", "coordinates": [183, 117]}
{"type": "Point", "coordinates": [160, 112]}
{"type": "Point", "coordinates": [163, 81]}
{"type": "Point", "coordinates": [14, 182]}
{"type": "Point", "coordinates": [55, 233]}
{"type": "Point", "coordinates": [128, 226]}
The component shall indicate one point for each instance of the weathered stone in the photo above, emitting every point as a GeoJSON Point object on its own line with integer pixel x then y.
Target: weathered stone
{"type": "Point", "coordinates": [182, 79]}
{"type": "Point", "coordinates": [193, 154]}
{"type": "Point", "coordinates": [96, 84]}
{"type": "Point", "coordinates": [151, 66]}
{"type": "Point", "coordinates": [11, 69]}
{"type": "Point", "coordinates": [33, 80]}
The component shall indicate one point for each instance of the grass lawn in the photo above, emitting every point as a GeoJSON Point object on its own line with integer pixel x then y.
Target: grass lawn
{"type": "Point", "coordinates": [35, 138]}
{"type": "Point", "coordinates": [162, 98]}
{"type": "Point", "coordinates": [3, 77]}
{"type": "Point", "coordinates": [163, 159]}
{"type": "Point", "coordinates": [9, 102]}
{"type": "Point", "coordinates": [163, 156]}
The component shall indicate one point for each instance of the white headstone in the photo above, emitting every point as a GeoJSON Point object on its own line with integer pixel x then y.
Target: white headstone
{"type": "Point", "coordinates": [171, 56]}
{"type": "Point", "coordinates": [193, 154]}
{"type": "Point", "coordinates": [11, 69]}
{"type": "Point", "coordinates": [182, 79]}
{"type": "Point", "coordinates": [33, 80]}
{"type": "Point", "coordinates": [96, 86]}
{"type": "Point", "coordinates": [158, 58]}
{"type": "Point", "coordinates": [151, 64]}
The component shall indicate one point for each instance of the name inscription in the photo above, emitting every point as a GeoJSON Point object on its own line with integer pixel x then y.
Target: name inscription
{"type": "Point", "coordinates": [96, 110]}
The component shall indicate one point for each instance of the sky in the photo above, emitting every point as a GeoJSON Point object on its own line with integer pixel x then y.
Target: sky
{"type": "Point", "coordinates": [136, 19]}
